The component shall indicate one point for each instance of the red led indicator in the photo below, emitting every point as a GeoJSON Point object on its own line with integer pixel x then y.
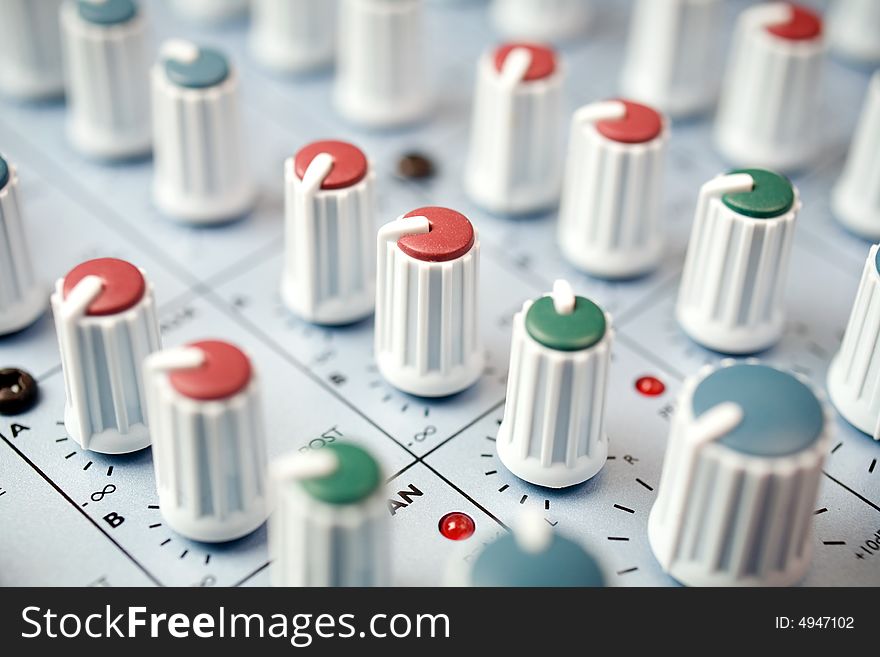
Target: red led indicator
{"type": "Point", "coordinates": [457, 526]}
{"type": "Point", "coordinates": [650, 386]}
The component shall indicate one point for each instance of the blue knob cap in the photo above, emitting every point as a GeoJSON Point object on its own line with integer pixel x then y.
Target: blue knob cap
{"type": "Point", "coordinates": [781, 415]}
{"type": "Point", "coordinates": [562, 563]}
{"type": "Point", "coordinates": [108, 12]}
{"type": "Point", "coordinates": [209, 68]}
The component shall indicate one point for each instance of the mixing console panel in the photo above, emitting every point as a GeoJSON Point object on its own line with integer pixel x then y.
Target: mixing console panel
{"type": "Point", "coordinates": [76, 516]}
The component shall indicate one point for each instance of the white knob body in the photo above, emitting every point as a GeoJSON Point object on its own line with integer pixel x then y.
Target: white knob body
{"type": "Point", "coordinates": [329, 268]}
{"type": "Point", "coordinates": [514, 157]}
{"type": "Point", "coordinates": [22, 297]}
{"type": "Point", "coordinates": [30, 49]}
{"type": "Point", "coordinates": [329, 520]}
{"type": "Point", "coordinates": [292, 36]}
{"type": "Point", "coordinates": [105, 317]}
{"type": "Point", "coordinates": [381, 79]}
{"type": "Point", "coordinates": [854, 29]}
{"type": "Point", "coordinates": [731, 292]}
{"type": "Point", "coordinates": [209, 447]}
{"type": "Point", "coordinates": [855, 198]}
{"type": "Point", "coordinates": [611, 215]}
{"type": "Point", "coordinates": [740, 478]}
{"type": "Point", "coordinates": [201, 173]}
{"type": "Point", "coordinates": [853, 376]}
{"type": "Point", "coordinates": [553, 431]}
{"type": "Point", "coordinates": [541, 20]}
{"type": "Point", "coordinates": [209, 11]}
{"type": "Point", "coordinates": [427, 307]}
{"type": "Point", "coordinates": [769, 113]}
{"type": "Point", "coordinates": [106, 68]}
{"type": "Point", "coordinates": [673, 55]}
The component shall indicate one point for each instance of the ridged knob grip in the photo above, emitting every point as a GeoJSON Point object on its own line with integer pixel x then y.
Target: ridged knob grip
{"type": "Point", "coordinates": [30, 49]}
{"type": "Point", "coordinates": [293, 35]}
{"type": "Point", "coordinates": [209, 11]}
{"type": "Point", "coordinates": [854, 29]}
{"type": "Point", "coordinates": [381, 76]}
{"type": "Point", "coordinates": [329, 524]}
{"type": "Point", "coordinates": [611, 215]}
{"type": "Point", "coordinates": [106, 321]}
{"type": "Point", "coordinates": [201, 174]}
{"type": "Point", "coordinates": [105, 60]}
{"type": "Point", "coordinates": [855, 198]}
{"type": "Point", "coordinates": [330, 265]}
{"type": "Point", "coordinates": [22, 297]}
{"type": "Point", "coordinates": [541, 20]}
{"type": "Point", "coordinates": [209, 445]}
{"type": "Point", "coordinates": [740, 478]}
{"type": "Point", "coordinates": [427, 308]}
{"type": "Point", "coordinates": [769, 113]}
{"type": "Point", "coordinates": [731, 293]}
{"type": "Point", "coordinates": [553, 431]}
{"type": "Point", "coordinates": [853, 375]}
{"type": "Point", "coordinates": [673, 55]}
{"type": "Point", "coordinates": [513, 163]}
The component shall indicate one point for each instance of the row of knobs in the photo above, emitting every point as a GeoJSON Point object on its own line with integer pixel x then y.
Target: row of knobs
{"type": "Point", "coordinates": [745, 421]}
{"type": "Point", "coordinates": [671, 58]}
{"type": "Point", "coordinates": [202, 400]}
{"type": "Point", "coordinates": [297, 35]}
{"type": "Point", "coordinates": [199, 407]}
{"type": "Point", "coordinates": [186, 108]}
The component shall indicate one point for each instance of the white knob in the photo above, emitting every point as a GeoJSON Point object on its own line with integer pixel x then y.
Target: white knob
{"type": "Point", "coordinates": [541, 20]}
{"type": "Point", "coordinates": [329, 520]}
{"type": "Point", "coordinates": [611, 215]}
{"type": "Point", "coordinates": [105, 317]}
{"type": "Point", "coordinates": [740, 478]}
{"type": "Point", "coordinates": [854, 29]}
{"type": "Point", "coordinates": [553, 431]}
{"type": "Point", "coordinates": [852, 377]}
{"type": "Point", "coordinates": [730, 298]}
{"type": "Point", "coordinates": [673, 55]}
{"type": "Point", "coordinates": [22, 297]}
{"type": "Point", "coordinates": [30, 49]}
{"type": "Point", "coordinates": [514, 158]}
{"type": "Point", "coordinates": [380, 70]}
{"type": "Point", "coordinates": [855, 199]}
{"type": "Point", "coordinates": [200, 172]}
{"type": "Point", "coordinates": [427, 308]}
{"type": "Point", "coordinates": [209, 447]}
{"type": "Point", "coordinates": [106, 67]}
{"type": "Point", "coordinates": [329, 266]}
{"type": "Point", "coordinates": [769, 114]}
{"type": "Point", "coordinates": [531, 555]}
{"type": "Point", "coordinates": [209, 11]}
{"type": "Point", "coordinates": [292, 36]}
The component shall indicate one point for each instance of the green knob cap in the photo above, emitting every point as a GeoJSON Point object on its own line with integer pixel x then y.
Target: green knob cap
{"type": "Point", "coordinates": [771, 196]}
{"type": "Point", "coordinates": [356, 477]}
{"type": "Point", "coordinates": [580, 329]}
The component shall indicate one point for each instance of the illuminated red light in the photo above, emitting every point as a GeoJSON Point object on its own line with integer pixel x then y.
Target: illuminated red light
{"type": "Point", "coordinates": [457, 526]}
{"type": "Point", "coordinates": [650, 386]}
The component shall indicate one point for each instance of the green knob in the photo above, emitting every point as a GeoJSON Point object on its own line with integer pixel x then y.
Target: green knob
{"type": "Point", "coordinates": [356, 477]}
{"type": "Point", "coordinates": [579, 329]}
{"type": "Point", "coordinates": [771, 196]}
